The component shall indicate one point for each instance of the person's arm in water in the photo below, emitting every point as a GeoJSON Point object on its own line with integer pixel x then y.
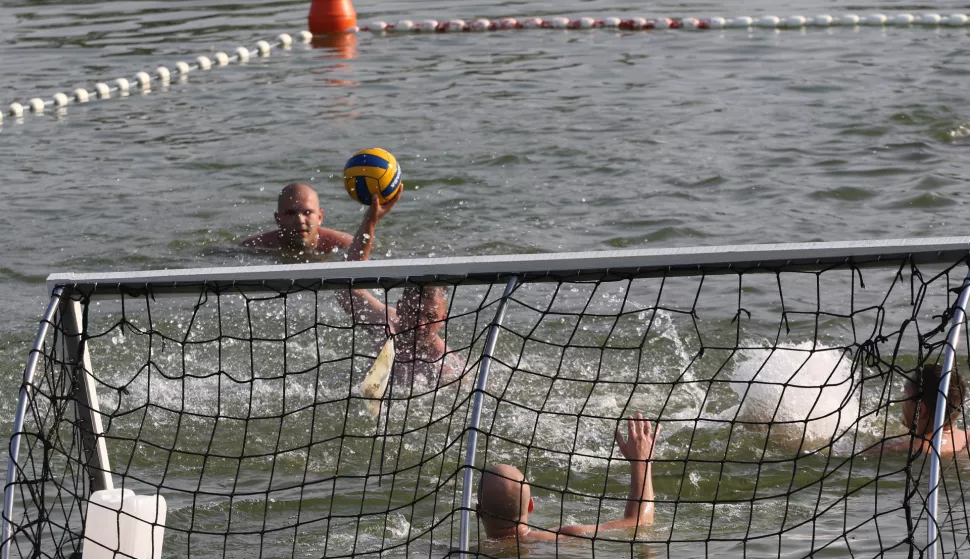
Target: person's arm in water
{"type": "Point", "coordinates": [905, 444]}
{"type": "Point", "coordinates": [638, 449]}
{"type": "Point", "coordinates": [360, 303]}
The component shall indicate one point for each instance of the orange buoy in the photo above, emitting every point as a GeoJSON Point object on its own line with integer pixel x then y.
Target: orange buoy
{"type": "Point", "coordinates": [331, 16]}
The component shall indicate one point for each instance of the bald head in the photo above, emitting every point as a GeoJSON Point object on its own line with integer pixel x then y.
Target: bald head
{"type": "Point", "coordinates": [297, 192]}
{"type": "Point", "coordinates": [504, 498]}
{"type": "Point", "coordinates": [298, 216]}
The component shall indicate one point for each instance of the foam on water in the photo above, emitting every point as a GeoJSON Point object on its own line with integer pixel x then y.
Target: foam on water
{"type": "Point", "coordinates": [960, 132]}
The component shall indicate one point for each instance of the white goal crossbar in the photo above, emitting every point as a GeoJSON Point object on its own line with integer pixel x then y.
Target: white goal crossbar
{"type": "Point", "coordinates": [529, 267]}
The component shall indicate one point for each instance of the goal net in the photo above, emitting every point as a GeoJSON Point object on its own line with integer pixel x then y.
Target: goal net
{"type": "Point", "coordinates": [777, 373]}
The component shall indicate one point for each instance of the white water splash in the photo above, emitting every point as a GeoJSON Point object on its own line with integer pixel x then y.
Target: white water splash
{"type": "Point", "coordinates": [960, 132]}
{"type": "Point", "coordinates": [799, 391]}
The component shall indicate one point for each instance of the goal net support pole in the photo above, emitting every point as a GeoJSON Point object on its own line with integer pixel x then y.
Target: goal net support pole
{"type": "Point", "coordinates": [36, 351]}
{"type": "Point", "coordinates": [949, 360]}
{"type": "Point", "coordinates": [86, 397]}
{"type": "Point", "coordinates": [467, 481]}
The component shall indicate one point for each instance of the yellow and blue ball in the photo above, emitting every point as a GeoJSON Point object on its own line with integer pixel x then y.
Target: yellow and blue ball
{"type": "Point", "coordinates": [372, 172]}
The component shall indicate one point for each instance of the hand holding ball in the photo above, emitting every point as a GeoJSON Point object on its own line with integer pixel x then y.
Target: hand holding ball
{"type": "Point", "coordinates": [373, 173]}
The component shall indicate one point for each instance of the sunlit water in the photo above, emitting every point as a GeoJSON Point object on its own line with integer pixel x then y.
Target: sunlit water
{"type": "Point", "coordinates": [513, 141]}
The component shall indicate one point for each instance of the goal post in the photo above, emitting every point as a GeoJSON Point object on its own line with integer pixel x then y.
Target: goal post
{"type": "Point", "coordinates": [777, 372]}
{"type": "Point", "coordinates": [939, 417]}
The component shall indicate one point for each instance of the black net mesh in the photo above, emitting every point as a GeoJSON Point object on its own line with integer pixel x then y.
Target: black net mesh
{"type": "Point", "coordinates": [775, 390]}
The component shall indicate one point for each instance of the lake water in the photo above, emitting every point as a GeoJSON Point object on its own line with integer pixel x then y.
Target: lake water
{"type": "Point", "coordinates": [511, 142]}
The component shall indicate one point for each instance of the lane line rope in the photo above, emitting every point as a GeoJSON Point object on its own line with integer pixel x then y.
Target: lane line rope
{"type": "Point", "coordinates": [689, 23]}
{"type": "Point", "coordinates": [143, 80]}
{"type": "Point", "coordinates": [162, 74]}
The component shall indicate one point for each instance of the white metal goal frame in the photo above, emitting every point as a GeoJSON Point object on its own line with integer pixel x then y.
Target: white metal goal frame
{"type": "Point", "coordinates": [67, 289]}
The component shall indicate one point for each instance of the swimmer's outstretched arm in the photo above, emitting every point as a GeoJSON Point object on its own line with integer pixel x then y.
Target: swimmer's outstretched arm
{"type": "Point", "coordinates": [364, 239]}
{"type": "Point", "coordinates": [359, 302]}
{"type": "Point", "coordinates": [638, 448]}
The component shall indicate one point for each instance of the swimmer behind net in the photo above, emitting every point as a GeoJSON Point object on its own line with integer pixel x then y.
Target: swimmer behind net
{"type": "Point", "coordinates": [505, 497]}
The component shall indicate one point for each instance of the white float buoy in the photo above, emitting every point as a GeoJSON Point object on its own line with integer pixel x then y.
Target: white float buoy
{"type": "Point", "coordinates": [454, 25]}
{"type": "Point", "coordinates": [875, 20]}
{"type": "Point", "coordinates": [795, 21]}
{"type": "Point", "coordinates": [306, 37]}
{"type": "Point", "coordinates": [769, 21]}
{"type": "Point", "coordinates": [929, 19]}
{"type": "Point", "coordinates": [16, 109]}
{"type": "Point", "coordinates": [661, 23]}
{"type": "Point", "coordinates": [586, 22]}
{"type": "Point", "coordinates": [36, 104]}
{"type": "Point", "coordinates": [123, 85]}
{"type": "Point", "coordinates": [903, 19]}
{"type": "Point", "coordinates": [103, 90]}
{"type": "Point", "coordinates": [222, 58]}
{"type": "Point", "coordinates": [611, 22]}
{"type": "Point", "coordinates": [822, 20]}
{"type": "Point", "coordinates": [508, 23]}
{"type": "Point", "coordinates": [848, 19]}
{"type": "Point", "coordinates": [263, 48]}
{"type": "Point", "coordinates": [60, 100]}
{"type": "Point", "coordinates": [163, 74]}
{"type": "Point", "coordinates": [143, 79]}
{"type": "Point", "coordinates": [242, 53]}
{"type": "Point", "coordinates": [81, 95]}
{"type": "Point", "coordinates": [689, 23]}
{"type": "Point", "coordinates": [284, 40]}
{"type": "Point", "coordinates": [558, 22]}
{"type": "Point", "coordinates": [531, 23]}
{"type": "Point", "coordinates": [955, 20]}
{"type": "Point", "coordinates": [377, 26]}
{"type": "Point", "coordinates": [716, 23]}
{"type": "Point", "coordinates": [428, 26]}
{"type": "Point", "coordinates": [743, 21]}
{"type": "Point", "coordinates": [204, 62]}
{"type": "Point", "coordinates": [404, 25]}
{"type": "Point", "coordinates": [480, 24]}
{"type": "Point", "coordinates": [182, 67]}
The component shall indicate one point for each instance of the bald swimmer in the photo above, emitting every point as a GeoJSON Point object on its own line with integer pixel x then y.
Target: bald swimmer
{"type": "Point", "coordinates": [505, 498]}
{"type": "Point", "coordinates": [298, 220]}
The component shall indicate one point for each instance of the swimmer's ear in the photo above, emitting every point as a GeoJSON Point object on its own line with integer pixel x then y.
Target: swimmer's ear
{"type": "Point", "coordinates": [276, 216]}
{"type": "Point", "coordinates": [532, 505]}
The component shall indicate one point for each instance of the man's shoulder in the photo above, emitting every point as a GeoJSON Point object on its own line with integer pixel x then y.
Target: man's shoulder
{"type": "Point", "coordinates": [960, 442]}
{"type": "Point", "coordinates": [533, 535]}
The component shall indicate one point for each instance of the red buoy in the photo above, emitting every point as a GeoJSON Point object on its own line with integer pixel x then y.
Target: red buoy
{"type": "Point", "coordinates": [331, 16]}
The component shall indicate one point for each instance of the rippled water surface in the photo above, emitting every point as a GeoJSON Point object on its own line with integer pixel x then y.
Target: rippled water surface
{"type": "Point", "coordinates": [518, 141]}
